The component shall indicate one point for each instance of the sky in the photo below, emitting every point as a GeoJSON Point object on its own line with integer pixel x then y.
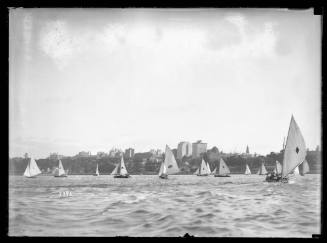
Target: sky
{"type": "Point", "coordinates": [94, 79]}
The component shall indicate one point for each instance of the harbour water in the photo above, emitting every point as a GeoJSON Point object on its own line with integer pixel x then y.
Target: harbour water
{"type": "Point", "coordinates": [144, 205]}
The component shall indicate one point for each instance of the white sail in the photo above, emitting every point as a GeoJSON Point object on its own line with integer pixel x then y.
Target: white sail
{"type": "Point", "coordinates": [203, 168]}
{"type": "Point", "coordinates": [208, 166]}
{"type": "Point", "coordinates": [114, 172]}
{"type": "Point", "coordinates": [61, 170]}
{"type": "Point", "coordinates": [223, 168]}
{"type": "Point", "coordinates": [305, 167]}
{"type": "Point", "coordinates": [278, 168]}
{"type": "Point", "coordinates": [97, 170]}
{"type": "Point", "coordinates": [263, 170]}
{"type": "Point", "coordinates": [295, 149]}
{"type": "Point", "coordinates": [247, 170]}
{"type": "Point", "coordinates": [296, 171]}
{"type": "Point", "coordinates": [32, 169]}
{"type": "Point", "coordinates": [170, 161]}
{"type": "Point", "coordinates": [161, 169]}
{"type": "Point", "coordinates": [196, 172]}
{"type": "Point", "coordinates": [122, 170]}
{"type": "Point", "coordinates": [214, 171]}
{"type": "Point", "coordinates": [164, 171]}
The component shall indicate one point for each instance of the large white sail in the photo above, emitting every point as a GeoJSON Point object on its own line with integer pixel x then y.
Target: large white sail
{"type": "Point", "coordinates": [61, 170]}
{"type": "Point", "coordinates": [170, 161]}
{"type": "Point", "coordinates": [295, 149]}
{"type": "Point", "coordinates": [122, 170]}
{"type": "Point", "coordinates": [32, 169]}
{"type": "Point", "coordinates": [114, 172]}
{"type": "Point", "coordinates": [223, 168]}
{"type": "Point", "coordinates": [305, 167]}
{"type": "Point", "coordinates": [203, 168]}
{"type": "Point", "coordinates": [247, 170]}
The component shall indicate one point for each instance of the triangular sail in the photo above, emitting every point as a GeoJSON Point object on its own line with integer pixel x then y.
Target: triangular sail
{"type": "Point", "coordinates": [170, 161]}
{"type": "Point", "coordinates": [122, 169]}
{"type": "Point", "coordinates": [196, 172]}
{"type": "Point", "coordinates": [247, 170]}
{"type": "Point", "coordinates": [296, 171]}
{"type": "Point", "coordinates": [263, 169]}
{"type": "Point", "coordinates": [208, 166]}
{"type": "Point", "coordinates": [27, 170]}
{"type": "Point", "coordinates": [295, 149]}
{"type": "Point", "coordinates": [305, 167]}
{"type": "Point", "coordinates": [96, 171]}
{"type": "Point", "coordinates": [278, 168]}
{"type": "Point", "coordinates": [161, 169]}
{"type": "Point", "coordinates": [61, 170]}
{"type": "Point", "coordinates": [223, 168]}
{"type": "Point", "coordinates": [34, 169]}
{"type": "Point", "coordinates": [115, 171]}
{"type": "Point", "coordinates": [203, 168]}
{"type": "Point", "coordinates": [214, 171]}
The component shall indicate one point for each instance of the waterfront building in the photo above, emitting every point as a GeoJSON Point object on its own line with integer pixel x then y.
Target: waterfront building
{"type": "Point", "coordinates": [198, 148]}
{"type": "Point", "coordinates": [184, 149]}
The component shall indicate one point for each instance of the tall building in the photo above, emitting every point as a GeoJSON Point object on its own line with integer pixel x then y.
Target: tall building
{"type": "Point", "coordinates": [184, 149]}
{"type": "Point", "coordinates": [129, 153]}
{"type": "Point", "coordinates": [198, 148]}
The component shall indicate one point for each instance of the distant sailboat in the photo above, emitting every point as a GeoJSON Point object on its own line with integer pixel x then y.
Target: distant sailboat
{"type": "Point", "coordinates": [262, 170]}
{"type": "Point", "coordinates": [305, 168]}
{"type": "Point", "coordinates": [223, 169]}
{"type": "Point", "coordinates": [32, 170]}
{"type": "Point", "coordinates": [60, 171]}
{"type": "Point", "coordinates": [196, 172]}
{"type": "Point", "coordinates": [247, 170]}
{"type": "Point", "coordinates": [169, 165]}
{"type": "Point", "coordinates": [278, 168]}
{"type": "Point", "coordinates": [121, 170]}
{"type": "Point", "coordinates": [294, 153]}
{"type": "Point", "coordinates": [97, 171]}
{"type": "Point", "coordinates": [203, 170]}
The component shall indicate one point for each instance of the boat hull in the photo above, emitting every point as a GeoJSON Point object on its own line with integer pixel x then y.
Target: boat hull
{"type": "Point", "coordinates": [222, 175]}
{"type": "Point", "coordinates": [95, 175]}
{"type": "Point", "coordinates": [202, 175]}
{"type": "Point", "coordinates": [30, 176]}
{"type": "Point", "coordinates": [60, 176]}
{"type": "Point", "coordinates": [163, 177]}
{"type": "Point", "coordinates": [121, 176]}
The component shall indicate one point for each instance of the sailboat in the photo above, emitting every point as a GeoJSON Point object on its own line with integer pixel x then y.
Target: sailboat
{"type": "Point", "coordinates": [262, 170]}
{"type": "Point", "coordinates": [203, 170]}
{"type": "Point", "coordinates": [32, 170]}
{"type": "Point", "coordinates": [305, 168]}
{"type": "Point", "coordinates": [60, 171]}
{"type": "Point", "coordinates": [247, 170]}
{"type": "Point", "coordinates": [169, 166]}
{"type": "Point", "coordinates": [97, 171]}
{"type": "Point", "coordinates": [223, 170]}
{"type": "Point", "coordinates": [121, 170]}
{"type": "Point", "coordinates": [294, 153]}
{"type": "Point", "coordinates": [163, 171]}
{"type": "Point", "coordinates": [196, 172]}
{"type": "Point", "coordinates": [278, 168]}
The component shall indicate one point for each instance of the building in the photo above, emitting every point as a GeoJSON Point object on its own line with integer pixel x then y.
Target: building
{"type": "Point", "coordinates": [101, 155]}
{"type": "Point", "coordinates": [198, 148]}
{"type": "Point", "coordinates": [114, 153]}
{"type": "Point", "coordinates": [55, 156]}
{"type": "Point", "coordinates": [84, 154]}
{"type": "Point", "coordinates": [129, 153]}
{"type": "Point", "coordinates": [184, 149]}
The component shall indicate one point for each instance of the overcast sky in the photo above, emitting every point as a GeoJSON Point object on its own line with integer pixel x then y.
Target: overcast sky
{"type": "Point", "coordinates": [93, 79]}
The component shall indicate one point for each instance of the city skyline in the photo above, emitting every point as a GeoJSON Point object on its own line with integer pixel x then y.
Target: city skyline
{"type": "Point", "coordinates": [93, 79]}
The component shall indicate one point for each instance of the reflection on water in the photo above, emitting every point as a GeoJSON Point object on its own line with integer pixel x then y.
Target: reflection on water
{"type": "Point", "coordinates": [145, 205]}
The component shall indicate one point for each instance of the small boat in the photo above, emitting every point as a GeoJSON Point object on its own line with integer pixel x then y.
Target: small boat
{"type": "Point", "coordinates": [247, 170]}
{"type": "Point", "coordinates": [223, 170]}
{"type": "Point", "coordinates": [262, 170]}
{"type": "Point", "coordinates": [294, 154]}
{"type": "Point", "coordinates": [203, 170]}
{"type": "Point", "coordinates": [60, 171]}
{"type": "Point", "coordinates": [97, 171]}
{"type": "Point", "coordinates": [32, 170]}
{"type": "Point", "coordinates": [169, 166]}
{"type": "Point", "coordinates": [121, 170]}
